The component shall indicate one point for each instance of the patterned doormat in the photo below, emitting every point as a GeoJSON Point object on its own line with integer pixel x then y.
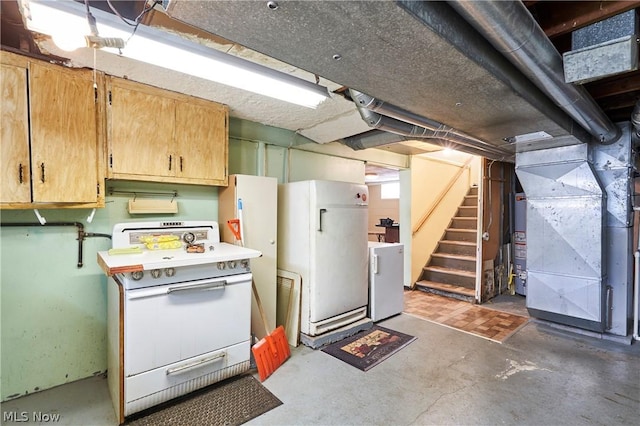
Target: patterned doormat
{"type": "Point", "coordinates": [231, 402]}
{"type": "Point", "coordinates": [483, 322]}
{"type": "Point", "coordinates": [370, 347]}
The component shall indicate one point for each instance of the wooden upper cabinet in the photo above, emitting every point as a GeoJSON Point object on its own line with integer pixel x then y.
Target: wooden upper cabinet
{"type": "Point", "coordinates": [202, 141]}
{"type": "Point", "coordinates": [64, 144]}
{"type": "Point", "coordinates": [140, 130]}
{"type": "Point", "coordinates": [51, 139]}
{"type": "Point", "coordinates": [15, 186]}
{"type": "Point", "coordinates": [162, 136]}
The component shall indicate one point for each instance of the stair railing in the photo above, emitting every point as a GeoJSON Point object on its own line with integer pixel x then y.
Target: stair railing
{"type": "Point", "coordinates": [442, 194]}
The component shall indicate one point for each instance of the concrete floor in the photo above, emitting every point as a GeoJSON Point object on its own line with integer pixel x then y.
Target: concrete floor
{"type": "Point", "coordinates": [539, 376]}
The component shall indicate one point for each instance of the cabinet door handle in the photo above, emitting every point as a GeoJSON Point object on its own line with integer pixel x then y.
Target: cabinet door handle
{"type": "Point", "coordinates": [20, 173]}
{"type": "Point", "coordinates": [181, 163]}
{"type": "Point", "coordinates": [170, 158]}
{"type": "Point", "coordinates": [42, 172]}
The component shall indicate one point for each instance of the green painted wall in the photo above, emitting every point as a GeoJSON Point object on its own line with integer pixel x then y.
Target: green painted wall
{"type": "Point", "coordinates": [53, 314]}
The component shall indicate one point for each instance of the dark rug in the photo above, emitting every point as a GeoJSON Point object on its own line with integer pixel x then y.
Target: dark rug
{"type": "Point", "coordinates": [231, 402]}
{"type": "Point", "coordinates": [370, 347]}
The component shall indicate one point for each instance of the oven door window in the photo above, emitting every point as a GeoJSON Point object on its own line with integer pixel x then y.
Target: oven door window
{"type": "Point", "coordinates": [169, 323]}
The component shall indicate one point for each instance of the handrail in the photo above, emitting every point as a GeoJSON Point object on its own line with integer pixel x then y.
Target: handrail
{"type": "Point", "coordinates": [444, 192]}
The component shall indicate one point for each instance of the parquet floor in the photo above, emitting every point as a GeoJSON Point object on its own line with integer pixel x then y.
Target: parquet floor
{"type": "Point", "coordinates": [464, 316]}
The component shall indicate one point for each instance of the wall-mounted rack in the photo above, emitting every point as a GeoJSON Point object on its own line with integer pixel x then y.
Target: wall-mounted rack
{"type": "Point", "coordinates": [172, 194]}
{"type": "Point", "coordinates": [142, 204]}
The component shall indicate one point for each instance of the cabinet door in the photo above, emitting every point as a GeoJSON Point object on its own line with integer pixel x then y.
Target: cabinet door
{"type": "Point", "coordinates": [201, 141]}
{"type": "Point", "coordinates": [14, 174]}
{"type": "Point", "coordinates": [140, 132]}
{"type": "Point", "coordinates": [64, 137]}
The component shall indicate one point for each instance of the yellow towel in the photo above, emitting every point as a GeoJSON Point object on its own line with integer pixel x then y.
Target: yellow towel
{"type": "Point", "coordinates": [164, 245]}
{"type": "Point", "coordinates": [147, 239]}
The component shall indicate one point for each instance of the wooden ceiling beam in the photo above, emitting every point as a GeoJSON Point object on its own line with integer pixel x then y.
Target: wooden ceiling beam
{"type": "Point", "coordinates": [614, 86]}
{"type": "Point", "coordinates": [561, 17]}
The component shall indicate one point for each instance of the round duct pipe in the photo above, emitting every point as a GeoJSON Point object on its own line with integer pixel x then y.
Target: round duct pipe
{"type": "Point", "coordinates": [511, 29]}
{"type": "Point", "coordinates": [413, 126]}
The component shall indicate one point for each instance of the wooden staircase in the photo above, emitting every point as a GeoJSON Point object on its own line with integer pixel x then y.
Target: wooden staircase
{"type": "Point", "coordinates": [451, 270]}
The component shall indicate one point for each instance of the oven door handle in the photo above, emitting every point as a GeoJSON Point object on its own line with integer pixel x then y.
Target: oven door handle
{"type": "Point", "coordinates": [216, 285]}
{"type": "Point", "coordinates": [199, 363]}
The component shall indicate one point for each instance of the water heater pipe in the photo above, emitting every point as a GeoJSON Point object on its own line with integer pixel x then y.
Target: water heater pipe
{"type": "Point", "coordinates": [636, 286]}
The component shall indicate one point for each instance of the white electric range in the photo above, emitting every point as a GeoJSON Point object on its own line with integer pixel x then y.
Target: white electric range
{"type": "Point", "coordinates": [178, 318]}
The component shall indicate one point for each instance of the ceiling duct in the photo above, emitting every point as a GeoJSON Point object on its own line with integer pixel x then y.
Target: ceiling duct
{"type": "Point", "coordinates": [512, 30]}
{"type": "Point", "coordinates": [400, 122]}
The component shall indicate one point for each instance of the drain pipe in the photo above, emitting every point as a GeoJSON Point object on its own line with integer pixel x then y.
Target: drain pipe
{"type": "Point", "coordinates": [635, 118]}
{"type": "Point", "coordinates": [636, 287]}
{"type": "Point", "coordinates": [401, 122]}
{"type": "Point", "coordinates": [513, 31]}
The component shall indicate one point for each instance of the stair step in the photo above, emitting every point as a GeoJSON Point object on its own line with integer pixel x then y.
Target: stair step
{"type": "Point", "coordinates": [448, 290]}
{"type": "Point", "coordinates": [456, 234]}
{"type": "Point", "coordinates": [464, 222]}
{"type": "Point", "coordinates": [467, 211]}
{"type": "Point", "coordinates": [457, 247]}
{"type": "Point", "coordinates": [453, 261]}
{"type": "Point", "coordinates": [450, 271]}
{"type": "Point", "coordinates": [449, 276]}
{"type": "Point", "coordinates": [473, 190]}
{"type": "Point", "coordinates": [470, 200]}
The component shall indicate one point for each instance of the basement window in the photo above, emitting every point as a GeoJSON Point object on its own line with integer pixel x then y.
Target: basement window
{"type": "Point", "coordinates": [390, 190]}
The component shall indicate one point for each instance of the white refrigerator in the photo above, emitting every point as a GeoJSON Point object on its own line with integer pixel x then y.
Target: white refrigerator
{"type": "Point", "coordinates": [386, 280]}
{"type": "Point", "coordinates": [322, 236]}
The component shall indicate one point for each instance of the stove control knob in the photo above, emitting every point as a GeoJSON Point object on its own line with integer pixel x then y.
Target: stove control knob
{"type": "Point", "coordinates": [221, 265]}
{"type": "Point", "coordinates": [189, 237]}
{"type": "Point", "coordinates": [156, 273]}
{"type": "Point", "coordinates": [169, 272]}
{"type": "Point", "coordinates": [231, 264]}
{"type": "Point", "coordinates": [137, 275]}
{"type": "Point", "coordinates": [244, 263]}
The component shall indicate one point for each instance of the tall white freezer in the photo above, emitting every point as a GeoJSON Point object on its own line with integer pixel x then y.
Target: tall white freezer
{"type": "Point", "coordinates": [322, 235]}
{"type": "Point", "coordinates": [386, 280]}
{"type": "Point", "coordinates": [259, 195]}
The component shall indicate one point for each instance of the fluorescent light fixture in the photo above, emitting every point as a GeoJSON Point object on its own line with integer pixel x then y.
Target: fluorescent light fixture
{"type": "Point", "coordinates": [165, 50]}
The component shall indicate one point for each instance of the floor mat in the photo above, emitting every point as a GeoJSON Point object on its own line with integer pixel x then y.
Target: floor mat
{"type": "Point", "coordinates": [369, 348]}
{"type": "Point", "coordinates": [231, 402]}
{"type": "Point", "coordinates": [464, 316]}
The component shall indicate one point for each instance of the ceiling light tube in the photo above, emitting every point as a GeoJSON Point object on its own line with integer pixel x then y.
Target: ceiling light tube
{"type": "Point", "coordinates": [169, 51]}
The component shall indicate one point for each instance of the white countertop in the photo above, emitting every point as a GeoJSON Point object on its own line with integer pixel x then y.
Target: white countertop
{"type": "Point", "coordinates": [172, 258]}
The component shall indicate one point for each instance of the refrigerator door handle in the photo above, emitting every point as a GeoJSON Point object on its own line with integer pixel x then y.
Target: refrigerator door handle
{"type": "Point", "coordinates": [375, 263]}
{"type": "Point", "coordinates": [320, 219]}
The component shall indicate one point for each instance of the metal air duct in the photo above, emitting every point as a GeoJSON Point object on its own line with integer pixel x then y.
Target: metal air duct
{"type": "Point", "coordinates": [407, 124]}
{"type": "Point", "coordinates": [512, 30]}
{"type": "Point", "coordinates": [565, 241]}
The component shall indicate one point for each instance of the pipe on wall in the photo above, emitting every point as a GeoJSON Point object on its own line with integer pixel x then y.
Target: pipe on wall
{"type": "Point", "coordinates": [80, 229]}
{"type": "Point", "coordinates": [513, 31]}
{"type": "Point", "coordinates": [636, 287]}
{"type": "Point", "coordinates": [635, 118]}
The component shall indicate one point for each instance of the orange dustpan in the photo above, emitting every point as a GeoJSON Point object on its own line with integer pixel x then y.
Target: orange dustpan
{"type": "Point", "coordinates": [272, 350]}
